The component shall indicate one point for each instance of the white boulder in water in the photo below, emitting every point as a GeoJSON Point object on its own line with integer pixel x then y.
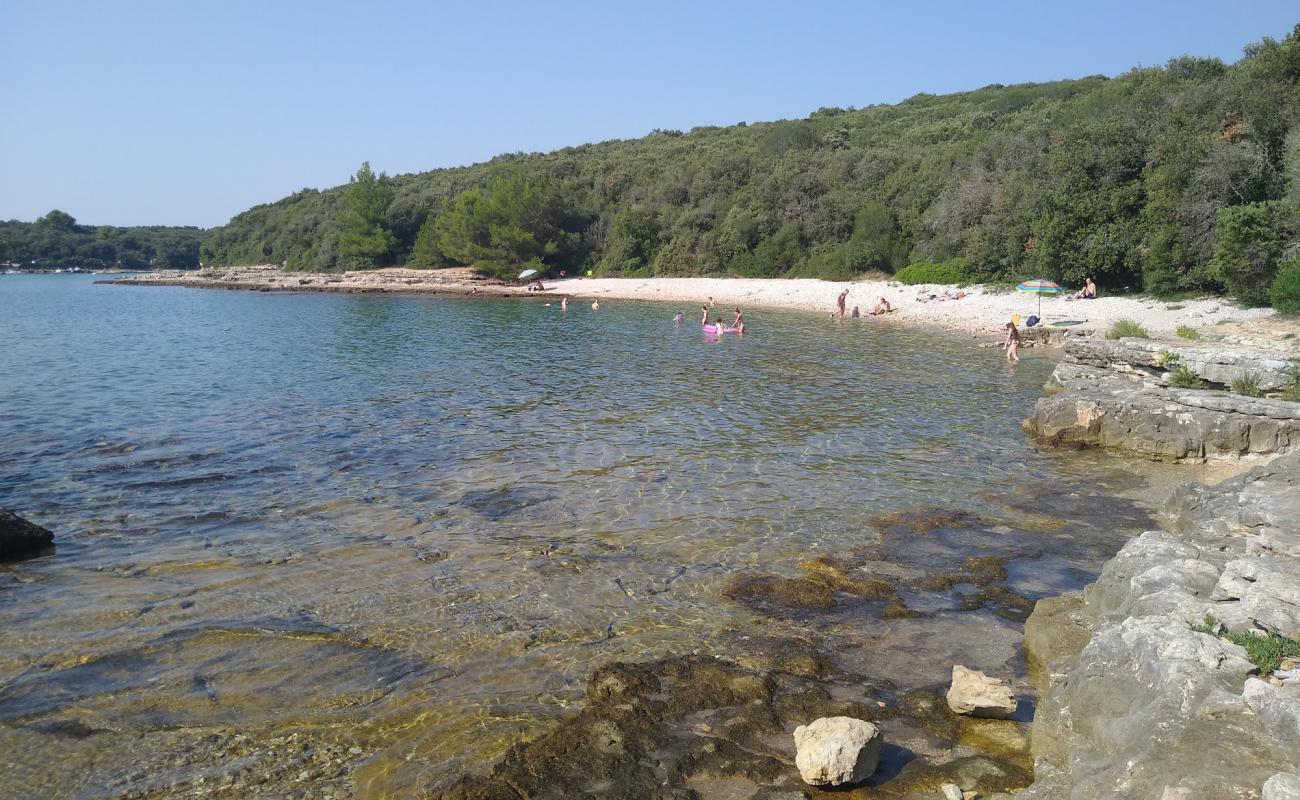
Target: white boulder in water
{"type": "Point", "coordinates": [977, 695]}
{"type": "Point", "coordinates": [837, 750]}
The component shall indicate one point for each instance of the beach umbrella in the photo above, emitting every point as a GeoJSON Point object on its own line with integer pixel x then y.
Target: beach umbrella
{"type": "Point", "coordinates": [527, 273]}
{"type": "Point", "coordinates": [1039, 287]}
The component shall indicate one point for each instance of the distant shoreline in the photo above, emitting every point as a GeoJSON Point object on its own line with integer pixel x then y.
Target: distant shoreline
{"type": "Point", "coordinates": [980, 311]}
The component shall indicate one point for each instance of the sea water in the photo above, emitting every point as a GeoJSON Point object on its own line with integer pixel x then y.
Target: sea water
{"type": "Point", "coordinates": [417, 523]}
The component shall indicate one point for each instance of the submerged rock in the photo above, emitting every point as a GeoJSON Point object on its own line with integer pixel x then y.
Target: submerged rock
{"type": "Point", "coordinates": [20, 538]}
{"type": "Point", "coordinates": [977, 695]}
{"type": "Point", "coordinates": [832, 751]}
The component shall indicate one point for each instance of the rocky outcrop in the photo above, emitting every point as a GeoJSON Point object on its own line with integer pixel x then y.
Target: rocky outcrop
{"type": "Point", "coordinates": [977, 695]}
{"type": "Point", "coordinates": [1135, 701]}
{"type": "Point", "coordinates": [1096, 409]}
{"type": "Point", "coordinates": [20, 538]}
{"type": "Point", "coordinates": [1217, 364]}
{"type": "Point", "coordinates": [832, 751]}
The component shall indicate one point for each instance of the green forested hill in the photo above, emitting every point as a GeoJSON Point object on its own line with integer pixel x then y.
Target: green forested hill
{"type": "Point", "coordinates": [56, 240]}
{"type": "Point", "coordinates": [1181, 177]}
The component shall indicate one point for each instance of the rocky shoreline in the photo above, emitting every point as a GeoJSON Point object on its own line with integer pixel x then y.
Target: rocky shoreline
{"type": "Point", "coordinates": [1145, 689]}
{"type": "Point", "coordinates": [1117, 396]}
{"type": "Point", "coordinates": [1135, 702]}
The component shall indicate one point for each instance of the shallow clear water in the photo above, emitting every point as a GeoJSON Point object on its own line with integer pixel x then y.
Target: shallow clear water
{"type": "Point", "coordinates": [417, 523]}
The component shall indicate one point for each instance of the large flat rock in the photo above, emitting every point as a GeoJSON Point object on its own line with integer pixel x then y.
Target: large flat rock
{"type": "Point", "coordinates": [1219, 364]}
{"type": "Point", "coordinates": [1099, 409]}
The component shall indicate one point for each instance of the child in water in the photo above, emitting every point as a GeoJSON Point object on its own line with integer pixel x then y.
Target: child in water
{"type": "Point", "coordinates": [1012, 343]}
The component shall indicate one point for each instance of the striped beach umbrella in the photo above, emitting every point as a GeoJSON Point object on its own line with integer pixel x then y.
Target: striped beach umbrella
{"type": "Point", "coordinates": [1039, 287]}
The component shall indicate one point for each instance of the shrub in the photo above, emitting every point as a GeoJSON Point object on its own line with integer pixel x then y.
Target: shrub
{"type": "Point", "coordinates": [1265, 652]}
{"type": "Point", "coordinates": [1292, 392]}
{"type": "Point", "coordinates": [1246, 384]}
{"type": "Point", "coordinates": [1166, 359]}
{"type": "Point", "coordinates": [1127, 329]}
{"type": "Point", "coordinates": [1187, 332]}
{"type": "Point", "coordinates": [954, 271]}
{"type": "Point", "coordinates": [1180, 377]}
{"type": "Point", "coordinates": [1284, 293]}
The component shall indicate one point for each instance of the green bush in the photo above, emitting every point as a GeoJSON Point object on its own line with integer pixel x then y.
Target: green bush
{"type": "Point", "coordinates": [1127, 329]}
{"type": "Point", "coordinates": [1292, 392]}
{"type": "Point", "coordinates": [1265, 652]}
{"type": "Point", "coordinates": [1180, 377]}
{"type": "Point", "coordinates": [954, 271]}
{"type": "Point", "coordinates": [1284, 293]}
{"type": "Point", "coordinates": [1187, 332]}
{"type": "Point", "coordinates": [1246, 384]}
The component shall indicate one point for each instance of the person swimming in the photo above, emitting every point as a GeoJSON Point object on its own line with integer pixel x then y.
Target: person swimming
{"type": "Point", "coordinates": [677, 320]}
{"type": "Point", "coordinates": [595, 305]}
{"type": "Point", "coordinates": [564, 304]}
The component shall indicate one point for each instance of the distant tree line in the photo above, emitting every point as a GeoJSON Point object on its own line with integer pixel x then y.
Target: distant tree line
{"type": "Point", "coordinates": [1180, 178]}
{"type": "Point", "coordinates": [57, 241]}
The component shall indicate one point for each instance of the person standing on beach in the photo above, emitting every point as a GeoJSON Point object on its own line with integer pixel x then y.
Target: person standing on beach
{"type": "Point", "coordinates": [1012, 343]}
{"type": "Point", "coordinates": [839, 301]}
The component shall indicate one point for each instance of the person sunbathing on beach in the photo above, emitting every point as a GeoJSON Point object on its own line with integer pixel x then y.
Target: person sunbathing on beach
{"type": "Point", "coordinates": [883, 307]}
{"type": "Point", "coordinates": [1088, 292]}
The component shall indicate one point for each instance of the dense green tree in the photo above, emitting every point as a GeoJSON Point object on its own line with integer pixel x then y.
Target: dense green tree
{"type": "Point", "coordinates": [1123, 179]}
{"type": "Point", "coordinates": [364, 236]}
{"type": "Point", "coordinates": [1247, 248]}
{"type": "Point", "coordinates": [56, 241]}
{"type": "Point", "coordinates": [513, 223]}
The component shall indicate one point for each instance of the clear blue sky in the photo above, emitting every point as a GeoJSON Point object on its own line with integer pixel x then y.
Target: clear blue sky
{"type": "Point", "coordinates": [189, 111]}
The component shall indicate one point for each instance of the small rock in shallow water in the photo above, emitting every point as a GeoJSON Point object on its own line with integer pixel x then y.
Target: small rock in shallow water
{"type": "Point", "coordinates": [836, 750]}
{"type": "Point", "coordinates": [977, 695]}
{"type": "Point", "coordinates": [19, 538]}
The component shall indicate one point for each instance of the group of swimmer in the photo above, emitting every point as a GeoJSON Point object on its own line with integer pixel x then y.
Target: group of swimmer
{"type": "Point", "coordinates": [737, 324]}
